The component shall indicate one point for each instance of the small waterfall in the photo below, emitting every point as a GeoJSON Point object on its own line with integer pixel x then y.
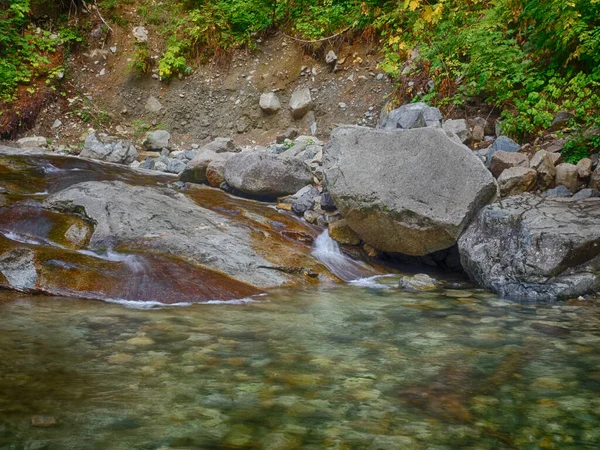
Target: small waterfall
{"type": "Point", "coordinates": [328, 252]}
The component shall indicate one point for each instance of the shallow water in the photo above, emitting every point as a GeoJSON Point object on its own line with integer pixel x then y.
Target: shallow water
{"type": "Point", "coordinates": [338, 366]}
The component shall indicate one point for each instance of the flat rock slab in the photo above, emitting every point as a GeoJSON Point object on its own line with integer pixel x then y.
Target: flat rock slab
{"type": "Point", "coordinates": [533, 247]}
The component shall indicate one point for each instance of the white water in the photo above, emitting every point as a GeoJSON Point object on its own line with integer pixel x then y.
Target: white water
{"type": "Point", "coordinates": [132, 261]}
{"type": "Point", "coordinates": [328, 252]}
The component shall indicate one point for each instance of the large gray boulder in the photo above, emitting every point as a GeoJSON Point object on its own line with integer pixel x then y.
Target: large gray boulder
{"type": "Point", "coordinates": [108, 148]}
{"type": "Point", "coordinates": [269, 102]}
{"type": "Point", "coordinates": [407, 191]}
{"type": "Point", "coordinates": [265, 174]}
{"type": "Point", "coordinates": [157, 140]}
{"type": "Point", "coordinates": [533, 247]}
{"type": "Point", "coordinates": [412, 115]}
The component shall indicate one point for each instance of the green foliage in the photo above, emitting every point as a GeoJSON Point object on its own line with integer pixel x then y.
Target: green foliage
{"type": "Point", "coordinates": [140, 60]}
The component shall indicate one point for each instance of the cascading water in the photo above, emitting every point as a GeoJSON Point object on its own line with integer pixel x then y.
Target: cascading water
{"type": "Point", "coordinates": [328, 252]}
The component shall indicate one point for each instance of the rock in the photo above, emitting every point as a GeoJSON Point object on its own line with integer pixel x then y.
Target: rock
{"type": "Point", "coordinates": [342, 233]}
{"type": "Point", "coordinates": [269, 103]}
{"type": "Point", "coordinates": [108, 148]}
{"type": "Point", "coordinates": [303, 199]}
{"type": "Point", "coordinates": [586, 193]}
{"type": "Point", "coordinates": [327, 203]}
{"type": "Point", "coordinates": [595, 179]}
{"type": "Point", "coordinates": [561, 120]}
{"type": "Point", "coordinates": [517, 180]}
{"type": "Point", "coordinates": [584, 168]}
{"type": "Point", "coordinates": [161, 221]}
{"type": "Point", "coordinates": [458, 127]}
{"type": "Point", "coordinates": [57, 124]}
{"type": "Point", "coordinates": [18, 268]}
{"type": "Point", "coordinates": [532, 247]}
{"type": "Point", "coordinates": [416, 283]}
{"type": "Point", "coordinates": [31, 142]}
{"type": "Point", "coordinates": [502, 160]}
{"type": "Point", "coordinates": [264, 174]}
{"type": "Point", "coordinates": [157, 140]}
{"type": "Point", "coordinates": [542, 162]}
{"type": "Point", "coordinates": [300, 103]}
{"type": "Point", "coordinates": [195, 170]}
{"type": "Point", "coordinates": [559, 191]}
{"type": "Point", "coordinates": [331, 58]}
{"type": "Point", "coordinates": [215, 171]}
{"type": "Point", "coordinates": [413, 115]}
{"type": "Point", "coordinates": [153, 105]}
{"type": "Point", "coordinates": [566, 175]}
{"type": "Point", "coordinates": [175, 166]}
{"type": "Point", "coordinates": [44, 421]}
{"type": "Point", "coordinates": [504, 144]}
{"type": "Point", "coordinates": [477, 133]}
{"type": "Point", "coordinates": [409, 191]}
{"type": "Point", "coordinates": [222, 145]}
{"type": "Point", "coordinates": [311, 216]}
{"type": "Point", "coordinates": [140, 34]}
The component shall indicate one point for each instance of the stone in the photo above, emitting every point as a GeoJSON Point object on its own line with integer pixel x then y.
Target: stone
{"type": "Point", "coordinates": [331, 58]}
{"type": "Point", "coordinates": [477, 133]}
{"type": "Point", "coordinates": [301, 102]}
{"type": "Point", "coordinates": [311, 216]}
{"type": "Point", "coordinates": [584, 168]}
{"type": "Point", "coordinates": [532, 247]}
{"type": "Point", "coordinates": [566, 175]}
{"type": "Point", "coordinates": [157, 140]}
{"type": "Point", "coordinates": [502, 143]}
{"type": "Point", "coordinates": [561, 120]}
{"type": "Point", "coordinates": [502, 160]}
{"type": "Point", "coordinates": [140, 34]}
{"type": "Point", "coordinates": [418, 282]}
{"type": "Point", "coordinates": [18, 268]}
{"type": "Point", "coordinates": [595, 179]}
{"type": "Point", "coordinates": [32, 142]}
{"type": "Point", "coordinates": [342, 233]}
{"type": "Point", "coordinates": [175, 166]}
{"type": "Point", "coordinates": [412, 115]}
{"type": "Point", "coordinates": [543, 164]}
{"type": "Point", "coordinates": [153, 105]}
{"type": "Point", "coordinates": [407, 191]}
{"type": "Point", "coordinates": [44, 421]}
{"type": "Point", "coordinates": [215, 172]}
{"type": "Point", "coordinates": [265, 174]}
{"type": "Point", "coordinates": [57, 124]}
{"type": "Point", "coordinates": [303, 200]}
{"type": "Point", "coordinates": [327, 203]}
{"type": "Point", "coordinates": [458, 127]}
{"type": "Point", "coordinates": [195, 170]}
{"type": "Point", "coordinates": [559, 191]}
{"type": "Point", "coordinates": [516, 180]}
{"type": "Point", "coordinates": [108, 148]}
{"type": "Point", "coordinates": [269, 103]}
{"type": "Point", "coordinates": [222, 145]}
{"type": "Point", "coordinates": [586, 193]}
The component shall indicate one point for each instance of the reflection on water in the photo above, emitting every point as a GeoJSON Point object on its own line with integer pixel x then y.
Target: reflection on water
{"type": "Point", "coordinates": [342, 367]}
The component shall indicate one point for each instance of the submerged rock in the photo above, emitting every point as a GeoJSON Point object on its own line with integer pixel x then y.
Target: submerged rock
{"type": "Point", "coordinates": [533, 247]}
{"type": "Point", "coordinates": [408, 191]}
{"type": "Point", "coordinates": [419, 282]}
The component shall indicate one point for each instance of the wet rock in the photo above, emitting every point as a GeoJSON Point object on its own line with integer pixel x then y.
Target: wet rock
{"type": "Point", "coordinates": [516, 180]}
{"type": "Point", "coordinates": [269, 103]}
{"type": "Point", "coordinates": [264, 174]}
{"type": "Point", "coordinates": [419, 282]}
{"type": "Point", "coordinates": [77, 234]}
{"type": "Point", "coordinates": [157, 140]}
{"type": "Point", "coordinates": [397, 202]}
{"type": "Point", "coordinates": [504, 144]}
{"type": "Point", "coordinates": [458, 127]}
{"type": "Point", "coordinates": [550, 330]}
{"type": "Point", "coordinates": [412, 115]}
{"type": "Point", "coordinates": [18, 268]}
{"type": "Point", "coordinates": [342, 233]}
{"type": "Point", "coordinates": [566, 175]}
{"type": "Point", "coordinates": [44, 421]}
{"type": "Point", "coordinates": [301, 102]}
{"type": "Point", "coordinates": [502, 160]}
{"type": "Point", "coordinates": [108, 148]}
{"type": "Point", "coordinates": [31, 142]}
{"type": "Point", "coordinates": [533, 247]}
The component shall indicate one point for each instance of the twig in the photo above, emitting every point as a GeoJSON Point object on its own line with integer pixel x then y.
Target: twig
{"type": "Point", "coordinates": [100, 15]}
{"type": "Point", "coordinates": [316, 40]}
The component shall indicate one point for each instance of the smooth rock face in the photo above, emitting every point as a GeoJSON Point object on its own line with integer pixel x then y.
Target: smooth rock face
{"type": "Point", "coordinates": [300, 103]}
{"type": "Point", "coordinates": [502, 160]}
{"type": "Point", "coordinates": [407, 191]}
{"type": "Point", "coordinates": [566, 175]}
{"type": "Point", "coordinates": [517, 180]}
{"type": "Point", "coordinates": [108, 148]}
{"type": "Point", "coordinates": [412, 115]}
{"type": "Point", "coordinates": [269, 103]}
{"type": "Point", "coordinates": [533, 247]}
{"type": "Point", "coordinates": [265, 174]}
{"type": "Point", "coordinates": [157, 140]}
{"type": "Point", "coordinates": [458, 127]}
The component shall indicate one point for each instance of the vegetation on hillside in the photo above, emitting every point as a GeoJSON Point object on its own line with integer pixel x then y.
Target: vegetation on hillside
{"type": "Point", "coordinates": [528, 59]}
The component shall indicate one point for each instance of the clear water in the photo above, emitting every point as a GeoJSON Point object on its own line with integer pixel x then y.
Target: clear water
{"type": "Point", "coordinates": [334, 367]}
